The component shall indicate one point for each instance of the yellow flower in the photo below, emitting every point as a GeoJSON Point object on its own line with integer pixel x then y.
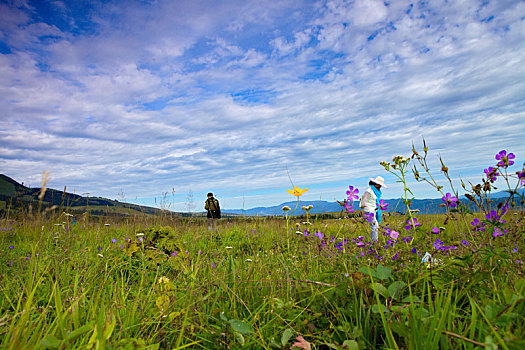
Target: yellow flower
{"type": "Point", "coordinates": [297, 191]}
{"type": "Point", "coordinates": [286, 208]}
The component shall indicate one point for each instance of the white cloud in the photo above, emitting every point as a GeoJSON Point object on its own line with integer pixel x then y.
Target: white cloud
{"type": "Point", "coordinates": [226, 97]}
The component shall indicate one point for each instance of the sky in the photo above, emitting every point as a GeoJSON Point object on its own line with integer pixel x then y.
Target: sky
{"type": "Point", "coordinates": [160, 102]}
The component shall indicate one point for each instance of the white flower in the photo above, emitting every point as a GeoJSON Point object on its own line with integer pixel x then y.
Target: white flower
{"type": "Point", "coordinates": [100, 255]}
{"type": "Point", "coordinates": [140, 234]}
{"type": "Point", "coordinates": [249, 260]}
{"type": "Point", "coordinates": [229, 247]}
{"type": "Point", "coordinates": [107, 224]}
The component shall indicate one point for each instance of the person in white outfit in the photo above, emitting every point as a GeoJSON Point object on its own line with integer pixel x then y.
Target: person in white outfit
{"type": "Point", "coordinates": [370, 204]}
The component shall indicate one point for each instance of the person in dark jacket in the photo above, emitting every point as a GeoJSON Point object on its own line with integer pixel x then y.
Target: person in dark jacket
{"type": "Point", "coordinates": [214, 211]}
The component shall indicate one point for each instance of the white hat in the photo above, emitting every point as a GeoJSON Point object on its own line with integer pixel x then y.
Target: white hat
{"type": "Point", "coordinates": [378, 180]}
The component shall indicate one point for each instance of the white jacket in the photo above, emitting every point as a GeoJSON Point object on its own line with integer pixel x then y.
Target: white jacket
{"type": "Point", "coordinates": [368, 201]}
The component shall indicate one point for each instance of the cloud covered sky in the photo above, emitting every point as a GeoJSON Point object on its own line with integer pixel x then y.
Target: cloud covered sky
{"type": "Point", "coordinates": [137, 99]}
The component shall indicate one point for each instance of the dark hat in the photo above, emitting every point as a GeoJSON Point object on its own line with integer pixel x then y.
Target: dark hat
{"type": "Point", "coordinates": [210, 194]}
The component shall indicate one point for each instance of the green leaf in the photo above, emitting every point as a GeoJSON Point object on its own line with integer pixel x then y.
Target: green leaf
{"type": "Point", "coordinates": [383, 272]}
{"type": "Point", "coordinates": [367, 270]}
{"type": "Point", "coordinates": [377, 308]}
{"type": "Point", "coordinates": [50, 342]}
{"type": "Point", "coordinates": [378, 287]}
{"type": "Point", "coordinates": [287, 334]}
{"type": "Point", "coordinates": [274, 343]}
{"type": "Point", "coordinates": [351, 344]}
{"type": "Point", "coordinates": [240, 338]}
{"type": "Point", "coordinates": [489, 343]}
{"type": "Point", "coordinates": [241, 327]}
{"type": "Point", "coordinates": [395, 289]}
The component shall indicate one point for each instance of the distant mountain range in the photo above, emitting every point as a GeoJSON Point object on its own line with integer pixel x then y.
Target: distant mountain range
{"type": "Point", "coordinates": [425, 206]}
{"type": "Point", "coordinates": [15, 195]}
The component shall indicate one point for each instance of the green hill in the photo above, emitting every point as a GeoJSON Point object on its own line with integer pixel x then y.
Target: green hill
{"type": "Point", "coordinates": [17, 196]}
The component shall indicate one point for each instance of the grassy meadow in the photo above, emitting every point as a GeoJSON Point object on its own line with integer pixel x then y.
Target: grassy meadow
{"type": "Point", "coordinates": [447, 281]}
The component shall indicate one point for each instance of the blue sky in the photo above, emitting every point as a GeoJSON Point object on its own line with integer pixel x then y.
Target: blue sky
{"type": "Point", "coordinates": [155, 102]}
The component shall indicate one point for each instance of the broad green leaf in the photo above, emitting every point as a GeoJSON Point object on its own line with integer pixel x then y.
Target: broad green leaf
{"type": "Point", "coordinates": [489, 343]}
{"type": "Point", "coordinates": [395, 289]}
{"type": "Point", "coordinates": [287, 334]}
{"type": "Point", "coordinates": [378, 287]}
{"type": "Point", "coordinates": [274, 343]}
{"type": "Point", "coordinates": [377, 308]}
{"type": "Point", "coordinates": [351, 344]}
{"type": "Point", "coordinates": [241, 327]}
{"type": "Point", "coordinates": [383, 272]}
{"type": "Point", "coordinates": [240, 338]}
{"type": "Point", "coordinates": [368, 270]}
{"type": "Point", "coordinates": [50, 342]}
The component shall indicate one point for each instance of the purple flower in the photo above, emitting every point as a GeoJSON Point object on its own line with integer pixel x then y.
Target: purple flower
{"type": "Point", "coordinates": [407, 239]}
{"type": "Point", "coordinates": [492, 174]}
{"type": "Point", "coordinates": [370, 217]}
{"type": "Point", "coordinates": [11, 247]}
{"type": "Point", "coordinates": [411, 224]}
{"type": "Point", "coordinates": [450, 201]}
{"type": "Point", "coordinates": [465, 243]}
{"type": "Point", "coordinates": [174, 254]}
{"type": "Point", "coordinates": [505, 159]}
{"type": "Point", "coordinates": [414, 250]}
{"type": "Point", "coordinates": [478, 225]}
{"type": "Point", "coordinates": [497, 232]}
{"type": "Point", "coordinates": [99, 248]}
{"type": "Point", "coordinates": [114, 240]}
{"type": "Point", "coordinates": [521, 177]}
{"type": "Point", "coordinates": [394, 234]}
{"type": "Point", "coordinates": [360, 244]}
{"type": "Point", "coordinates": [352, 193]}
{"type": "Point", "coordinates": [319, 235]}
{"type": "Point", "coordinates": [494, 218]}
{"type": "Point", "coordinates": [212, 265]}
{"type": "Point", "coordinates": [383, 205]}
{"type": "Point", "coordinates": [349, 207]}
{"type": "Point", "coordinates": [435, 230]}
{"type": "Point", "coordinates": [395, 256]}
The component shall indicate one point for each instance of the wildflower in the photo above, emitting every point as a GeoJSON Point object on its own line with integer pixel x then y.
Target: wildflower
{"type": "Point", "coordinates": [521, 177]}
{"type": "Point", "coordinates": [114, 240]}
{"type": "Point", "coordinates": [450, 201]}
{"type": "Point", "coordinates": [407, 239]}
{"type": "Point", "coordinates": [297, 191]}
{"type": "Point", "coordinates": [352, 193]}
{"type": "Point", "coordinates": [395, 256]}
{"type": "Point", "coordinates": [494, 218]}
{"type": "Point", "coordinates": [348, 207]}
{"type": "Point", "coordinates": [212, 265]}
{"type": "Point", "coordinates": [11, 247]}
{"type": "Point", "coordinates": [383, 205]}
{"type": "Point", "coordinates": [99, 249]}
{"type": "Point", "coordinates": [478, 225]}
{"type": "Point", "coordinates": [370, 217]}
{"type": "Point", "coordinates": [100, 255]}
{"type": "Point", "coordinates": [505, 159]}
{"type": "Point", "coordinates": [141, 239]}
{"type": "Point", "coordinates": [435, 230]}
{"type": "Point", "coordinates": [465, 243]}
{"type": "Point", "coordinates": [319, 235]}
{"type": "Point", "coordinates": [140, 234]}
{"type": "Point", "coordinates": [121, 246]}
{"type": "Point", "coordinates": [229, 247]}
{"type": "Point", "coordinates": [411, 224]}
{"type": "Point", "coordinates": [497, 232]}
{"type": "Point", "coordinates": [394, 234]}
{"type": "Point", "coordinates": [286, 208]}
{"type": "Point", "coordinates": [249, 260]}
{"type": "Point", "coordinates": [164, 280]}
{"type": "Point", "coordinates": [492, 174]}
{"type": "Point", "coordinates": [174, 254]}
